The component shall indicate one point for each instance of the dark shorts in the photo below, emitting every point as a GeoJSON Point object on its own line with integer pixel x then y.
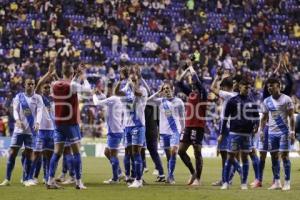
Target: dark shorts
{"type": "Point", "coordinates": [192, 136]}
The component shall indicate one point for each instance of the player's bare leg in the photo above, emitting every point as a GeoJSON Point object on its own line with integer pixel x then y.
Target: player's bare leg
{"type": "Point", "coordinates": [198, 164]}
{"type": "Point", "coordinates": [183, 147]}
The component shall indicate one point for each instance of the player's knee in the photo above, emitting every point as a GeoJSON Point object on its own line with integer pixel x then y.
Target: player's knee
{"type": "Point", "coordinates": [13, 153]}
{"type": "Point", "coordinates": [181, 152]}
{"type": "Point", "coordinates": [285, 156]}
{"type": "Point", "coordinates": [263, 156]}
{"type": "Point", "coordinates": [107, 153]}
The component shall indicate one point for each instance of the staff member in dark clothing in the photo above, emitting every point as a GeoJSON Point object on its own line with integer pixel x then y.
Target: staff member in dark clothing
{"type": "Point", "coordinates": [195, 123]}
{"type": "Point", "coordinates": [151, 116]}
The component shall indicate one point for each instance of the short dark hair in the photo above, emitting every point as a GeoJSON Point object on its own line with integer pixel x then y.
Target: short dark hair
{"type": "Point", "coordinates": [227, 82]}
{"type": "Point", "coordinates": [237, 78]}
{"type": "Point", "coordinates": [67, 68]}
{"type": "Point", "coordinates": [244, 81]}
{"type": "Point", "coordinates": [29, 77]}
{"type": "Point", "coordinates": [273, 80]}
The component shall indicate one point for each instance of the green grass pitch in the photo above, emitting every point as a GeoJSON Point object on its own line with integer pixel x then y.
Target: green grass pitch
{"type": "Point", "coordinates": [96, 170]}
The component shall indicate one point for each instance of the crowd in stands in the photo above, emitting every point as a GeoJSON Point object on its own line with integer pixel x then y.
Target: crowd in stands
{"type": "Point", "coordinates": [241, 36]}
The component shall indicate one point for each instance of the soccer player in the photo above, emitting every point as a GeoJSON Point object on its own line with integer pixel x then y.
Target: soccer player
{"type": "Point", "coordinates": [194, 124]}
{"type": "Point", "coordinates": [225, 93]}
{"type": "Point", "coordinates": [242, 113]}
{"type": "Point", "coordinates": [44, 143]}
{"type": "Point", "coordinates": [278, 109]}
{"type": "Point", "coordinates": [27, 111]}
{"type": "Point", "coordinates": [263, 144]}
{"type": "Point", "coordinates": [171, 124]}
{"type": "Point", "coordinates": [66, 120]}
{"type": "Point", "coordinates": [114, 111]}
{"type": "Point", "coordinates": [134, 100]}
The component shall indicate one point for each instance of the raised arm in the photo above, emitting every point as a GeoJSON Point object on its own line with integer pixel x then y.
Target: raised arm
{"type": "Point", "coordinates": [199, 85]}
{"type": "Point", "coordinates": [145, 84]}
{"type": "Point", "coordinates": [45, 78]}
{"type": "Point", "coordinates": [288, 84]}
{"type": "Point", "coordinates": [154, 98]}
{"type": "Point", "coordinates": [76, 85]}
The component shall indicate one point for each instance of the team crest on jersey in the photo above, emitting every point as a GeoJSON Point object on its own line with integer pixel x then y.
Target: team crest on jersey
{"type": "Point", "coordinates": [168, 113]}
{"type": "Point", "coordinates": [27, 112]}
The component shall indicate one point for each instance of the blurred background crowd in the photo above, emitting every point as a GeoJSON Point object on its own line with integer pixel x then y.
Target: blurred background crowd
{"type": "Point", "coordinates": [246, 37]}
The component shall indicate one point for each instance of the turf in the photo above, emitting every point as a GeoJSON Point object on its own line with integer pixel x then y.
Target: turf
{"type": "Point", "coordinates": [95, 170]}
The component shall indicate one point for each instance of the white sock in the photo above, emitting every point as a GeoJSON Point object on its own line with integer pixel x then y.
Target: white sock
{"type": "Point", "coordinates": [78, 182]}
{"type": "Point", "coordinates": [50, 181]}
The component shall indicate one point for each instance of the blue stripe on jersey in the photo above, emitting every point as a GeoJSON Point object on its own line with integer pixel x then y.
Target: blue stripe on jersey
{"type": "Point", "coordinates": [278, 119]}
{"type": "Point", "coordinates": [131, 99]}
{"type": "Point", "coordinates": [169, 116]}
{"type": "Point", "coordinates": [47, 101]}
{"type": "Point", "coordinates": [27, 112]}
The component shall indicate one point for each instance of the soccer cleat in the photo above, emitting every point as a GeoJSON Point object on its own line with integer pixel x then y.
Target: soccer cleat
{"type": "Point", "coordinates": [256, 184]}
{"type": "Point", "coordinates": [244, 186]}
{"type": "Point", "coordinates": [128, 179]}
{"type": "Point", "coordinates": [121, 176]}
{"type": "Point", "coordinates": [69, 181]}
{"type": "Point", "coordinates": [44, 181]}
{"type": "Point", "coordinates": [161, 179]}
{"type": "Point", "coordinates": [35, 181]}
{"type": "Point", "coordinates": [80, 187]}
{"type": "Point", "coordinates": [196, 182]}
{"type": "Point", "coordinates": [53, 186]}
{"type": "Point", "coordinates": [136, 184]}
{"type": "Point", "coordinates": [29, 183]}
{"type": "Point", "coordinates": [170, 180]}
{"type": "Point", "coordinates": [110, 181]}
{"type": "Point", "coordinates": [225, 186]}
{"type": "Point", "coordinates": [5, 183]}
{"type": "Point", "coordinates": [61, 178]}
{"type": "Point", "coordinates": [217, 183]}
{"type": "Point", "coordinates": [192, 178]}
{"type": "Point", "coordinates": [286, 186]}
{"type": "Point", "coordinates": [155, 172]}
{"type": "Point", "coordinates": [146, 170]}
{"type": "Point", "coordinates": [276, 185]}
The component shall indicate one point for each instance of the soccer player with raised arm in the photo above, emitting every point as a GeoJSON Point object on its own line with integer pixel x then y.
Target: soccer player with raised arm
{"type": "Point", "coordinates": [44, 143]}
{"type": "Point", "coordinates": [134, 98]}
{"type": "Point", "coordinates": [278, 110]}
{"type": "Point", "coordinates": [27, 111]}
{"type": "Point", "coordinates": [287, 90]}
{"type": "Point", "coordinates": [193, 134]}
{"type": "Point", "coordinates": [65, 95]}
{"type": "Point", "coordinates": [113, 111]}
{"type": "Point", "coordinates": [171, 124]}
{"type": "Point", "coordinates": [225, 92]}
{"type": "Point", "coordinates": [243, 116]}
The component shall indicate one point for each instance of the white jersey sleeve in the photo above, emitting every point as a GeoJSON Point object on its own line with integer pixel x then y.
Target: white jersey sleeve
{"type": "Point", "coordinates": [113, 113]}
{"type": "Point", "coordinates": [225, 97]}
